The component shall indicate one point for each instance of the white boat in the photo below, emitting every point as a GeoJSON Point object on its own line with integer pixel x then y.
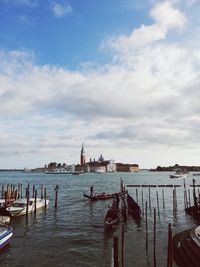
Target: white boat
{"type": "Point", "coordinates": [5, 235]}
{"type": "Point", "coordinates": [100, 171]}
{"type": "Point", "coordinates": [19, 206]}
{"type": "Point", "coordinates": [179, 174]}
{"type": "Point", "coordinates": [4, 219]}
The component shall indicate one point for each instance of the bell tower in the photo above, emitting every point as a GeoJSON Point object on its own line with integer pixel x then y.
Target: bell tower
{"type": "Point", "coordinates": [82, 159]}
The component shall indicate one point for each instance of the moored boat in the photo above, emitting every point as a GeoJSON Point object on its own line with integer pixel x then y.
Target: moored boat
{"type": "Point", "coordinates": [133, 207]}
{"type": "Point", "coordinates": [113, 214]}
{"type": "Point", "coordinates": [186, 248]}
{"type": "Point", "coordinates": [19, 206]}
{"type": "Point", "coordinates": [5, 235]}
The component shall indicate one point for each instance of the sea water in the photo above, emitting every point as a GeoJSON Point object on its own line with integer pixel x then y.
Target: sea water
{"type": "Point", "coordinates": [73, 234]}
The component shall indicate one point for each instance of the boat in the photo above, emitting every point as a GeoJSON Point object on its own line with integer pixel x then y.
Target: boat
{"type": "Point", "coordinates": [6, 233]}
{"type": "Point", "coordinates": [186, 248]}
{"type": "Point", "coordinates": [4, 219]}
{"type": "Point", "coordinates": [113, 214]}
{"type": "Point", "coordinates": [19, 206]}
{"type": "Point", "coordinates": [103, 196]}
{"type": "Point", "coordinates": [99, 171]}
{"type": "Point", "coordinates": [133, 207]}
{"type": "Point", "coordinates": [179, 174]}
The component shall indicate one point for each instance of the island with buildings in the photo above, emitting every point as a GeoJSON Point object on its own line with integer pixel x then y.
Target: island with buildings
{"type": "Point", "coordinates": [96, 166]}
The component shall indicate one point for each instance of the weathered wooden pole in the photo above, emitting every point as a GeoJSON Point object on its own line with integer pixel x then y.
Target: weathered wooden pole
{"type": "Point", "coordinates": [154, 239]}
{"type": "Point", "coordinates": [21, 192]}
{"type": "Point", "coordinates": [158, 204]}
{"type": "Point", "coordinates": [136, 190]}
{"type": "Point", "coordinates": [163, 198]}
{"type": "Point", "coordinates": [56, 196]}
{"type": "Point", "coordinates": [189, 200]}
{"type": "Point", "coordinates": [123, 247]}
{"type": "Point", "coordinates": [42, 191]}
{"type": "Point", "coordinates": [115, 254]}
{"type": "Point", "coordinates": [150, 199]}
{"type": "Point", "coordinates": [185, 194]}
{"type": "Point", "coordinates": [146, 220]}
{"type": "Point", "coordinates": [19, 187]}
{"type": "Point", "coordinates": [27, 200]}
{"type": "Point", "coordinates": [35, 202]}
{"type": "Point", "coordinates": [33, 192]}
{"type": "Point", "coordinates": [45, 198]}
{"type": "Point", "coordinates": [142, 204]}
{"type": "Point", "coordinates": [170, 247]}
{"type": "Point", "coordinates": [194, 193]}
{"type": "Point", "coordinates": [2, 191]}
{"type": "Point", "coordinates": [6, 197]}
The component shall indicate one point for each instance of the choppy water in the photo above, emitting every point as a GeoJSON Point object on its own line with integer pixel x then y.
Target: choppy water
{"type": "Point", "coordinates": [73, 235]}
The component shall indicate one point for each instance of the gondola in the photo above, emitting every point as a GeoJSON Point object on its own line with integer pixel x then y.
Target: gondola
{"type": "Point", "coordinates": [133, 207]}
{"type": "Point", "coordinates": [103, 196]}
{"type": "Point", "coordinates": [113, 214]}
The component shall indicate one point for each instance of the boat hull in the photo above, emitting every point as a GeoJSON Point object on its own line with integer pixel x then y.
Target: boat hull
{"type": "Point", "coordinates": [5, 236]}
{"type": "Point", "coordinates": [17, 211]}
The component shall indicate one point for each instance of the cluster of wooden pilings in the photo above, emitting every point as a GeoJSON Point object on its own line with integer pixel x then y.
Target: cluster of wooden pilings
{"type": "Point", "coordinates": [147, 206]}
{"type": "Point", "coordinates": [12, 192]}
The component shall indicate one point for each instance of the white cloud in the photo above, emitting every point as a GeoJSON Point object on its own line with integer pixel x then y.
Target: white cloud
{"type": "Point", "coordinates": [61, 9]}
{"type": "Point", "coordinates": [146, 100]}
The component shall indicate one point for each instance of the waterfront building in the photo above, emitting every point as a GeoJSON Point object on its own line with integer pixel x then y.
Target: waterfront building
{"type": "Point", "coordinates": [120, 167]}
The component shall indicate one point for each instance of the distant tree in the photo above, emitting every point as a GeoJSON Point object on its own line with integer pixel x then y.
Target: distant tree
{"type": "Point", "coordinates": [52, 165]}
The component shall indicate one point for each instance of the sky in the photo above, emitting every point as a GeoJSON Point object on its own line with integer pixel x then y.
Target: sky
{"type": "Point", "coordinates": [122, 77]}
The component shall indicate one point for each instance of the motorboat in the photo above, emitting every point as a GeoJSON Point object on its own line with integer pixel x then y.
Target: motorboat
{"type": "Point", "coordinates": [6, 233]}
{"type": "Point", "coordinates": [179, 174]}
{"type": "Point", "coordinates": [19, 206]}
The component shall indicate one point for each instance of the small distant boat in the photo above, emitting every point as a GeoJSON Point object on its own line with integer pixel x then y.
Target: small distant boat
{"type": "Point", "coordinates": [103, 196]}
{"type": "Point", "coordinates": [133, 207]}
{"type": "Point", "coordinates": [100, 171]}
{"type": "Point", "coordinates": [19, 206]}
{"type": "Point", "coordinates": [180, 174]}
{"type": "Point", "coordinates": [113, 214]}
{"type": "Point", "coordinates": [6, 233]}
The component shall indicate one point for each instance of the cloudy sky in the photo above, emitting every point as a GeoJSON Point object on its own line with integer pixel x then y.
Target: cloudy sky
{"type": "Point", "coordinates": [121, 76]}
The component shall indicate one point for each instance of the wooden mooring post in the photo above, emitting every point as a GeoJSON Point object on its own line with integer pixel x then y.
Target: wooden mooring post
{"type": "Point", "coordinates": [123, 247]}
{"type": "Point", "coordinates": [56, 196]}
{"type": "Point", "coordinates": [45, 198]}
{"type": "Point", "coordinates": [33, 192]}
{"type": "Point", "coordinates": [2, 191]}
{"type": "Point", "coordinates": [42, 191]}
{"type": "Point", "coordinates": [163, 198]}
{"type": "Point", "coordinates": [27, 201]}
{"type": "Point", "coordinates": [170, 247]}
{"type": "Point", "coordinates": [115, 254]}
{"type": "Point", "coordinates": [158, 204]}
{"type": "Point", "coordinates": [35, 203]}
{"type": "Point", "coordinates": [150, 199]}
{"type": "Point", "coordinates": [136, 195]}
{"type": "Point", "coordinates": [142, 204]}
{"type": "Point", "coordinates": [146, 222]}
{"type": "Point", "coordinates": [154, 240]}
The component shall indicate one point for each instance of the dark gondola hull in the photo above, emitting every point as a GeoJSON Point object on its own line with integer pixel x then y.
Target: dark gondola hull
{"type": "Point", "coordinates": [133, 207]}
